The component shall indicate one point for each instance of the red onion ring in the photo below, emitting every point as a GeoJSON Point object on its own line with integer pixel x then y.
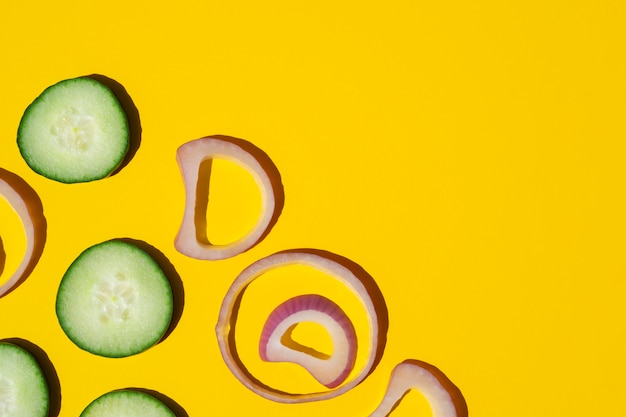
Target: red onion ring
{"type": "Point", "coordinates": [189, 240]}
{"type": "Point", "coordinates": [444, 397]}
{"type": "Point", "coordinates": [23, 199]}
{"type": "Point", "coordinates": [349, 273]}
{"type": "Point", "coordinates": [330, 371]}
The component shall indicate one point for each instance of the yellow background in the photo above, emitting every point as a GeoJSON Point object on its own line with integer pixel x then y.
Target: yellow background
{"type": "Point", "coordinates": [468, 155]}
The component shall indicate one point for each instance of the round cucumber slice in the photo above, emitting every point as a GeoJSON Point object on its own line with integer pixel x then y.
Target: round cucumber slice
{"type": "Point", "coordinates": [75, 131]}
{"type": "Point", "coordinates": [23, 387]}
{"type": "Point", "coordinates": [126, 403]}
{"type": "Point", "coordinates": [114, 300]}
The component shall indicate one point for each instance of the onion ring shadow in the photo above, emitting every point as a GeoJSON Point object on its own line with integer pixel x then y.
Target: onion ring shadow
{"type": "Point", "coordinates": [132, 114]}
{"type": "Point", "coordinates": [176, 283]}
{"type": "Point", "coordinates": [52, 378]}
{"type": "Point", "coordinates": [35, 210]}
{"type": "Point", "coordinates": [3, 256]}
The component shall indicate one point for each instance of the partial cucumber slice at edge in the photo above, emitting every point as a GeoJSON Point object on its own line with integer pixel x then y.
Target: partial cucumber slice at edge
{"type": "Point", "coordinates": [125, 402]}
{"type": "Point", "coordinates": [24, 385]}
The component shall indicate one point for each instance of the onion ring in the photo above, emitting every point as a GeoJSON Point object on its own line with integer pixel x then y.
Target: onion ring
{"type": "Point", "coordinates": [444, 397]}
{"type": "Point", "coordinates": [190, 240]}
{"type": "Point", "coordinates": [276, 344]}
{"type": "Point", "coordinates": [25, 202]}
{"type": "Point", "coordinates": [347, 272]}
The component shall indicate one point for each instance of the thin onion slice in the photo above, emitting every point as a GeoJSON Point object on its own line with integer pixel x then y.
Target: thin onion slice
{"type": "Point", "coordinates": [190, 156]}
{"type": "Point", "coordinates": [347, 272]}
{"type": "Point", "coordinates": [23, 199]}
{"type": "Point", "coordinates": [444, 397]}
{"type": "Point", "coordinates": [276, 344]}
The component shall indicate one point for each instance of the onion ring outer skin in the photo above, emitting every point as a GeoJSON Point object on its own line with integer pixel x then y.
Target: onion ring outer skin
{"type": "Point", "coordinates": [444, 397]}
{"type": "Point", "coordinates": [226, 325]}
{"type": "Point", "coordinates": [190, 156]}
{"type": "Point", "coordinates": [23, 199]}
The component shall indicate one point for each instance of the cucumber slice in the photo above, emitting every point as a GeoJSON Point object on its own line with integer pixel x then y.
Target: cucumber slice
{"type": "Point", "coordinates": [114, 300]}
{"type": "Point", "coordinates": [75, 131]}
{"type": "Point", "coordinates": [23, 387]}
{"type": "Point", "coordinates": [127, 403]}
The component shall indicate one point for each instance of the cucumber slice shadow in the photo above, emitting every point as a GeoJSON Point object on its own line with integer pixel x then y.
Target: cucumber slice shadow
{"type": "Point", "coordinates": [176, 408]}
{"type": "Point", "coordinates": [178, 291]}
{"type": "Point", "coordinates": [132, 114]}
{"type": "Point", "coordinates": [52, 378]}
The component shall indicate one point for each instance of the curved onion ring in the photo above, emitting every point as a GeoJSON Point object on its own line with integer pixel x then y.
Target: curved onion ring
{"type": "Point", "coordinates": [276, 344]}
{"type": "Point", "coordinates": [23, 199]}
{"type": "Point", "coordinates": [190, 240]}
{"type": "Point", "coordinates": [444, 397]}
{"type": "Point", "coordinates": [340, 268]}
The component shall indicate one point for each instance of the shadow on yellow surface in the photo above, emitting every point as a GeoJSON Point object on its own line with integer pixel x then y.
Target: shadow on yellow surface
{"type": "Point", "coordinates": [176, 408]}
{"type": "Point", "coordinates": [3, 256]}
{"type": "Point", "coordinates": [132, 113]}
{"type": "Point", "coordinates": [178, 292]}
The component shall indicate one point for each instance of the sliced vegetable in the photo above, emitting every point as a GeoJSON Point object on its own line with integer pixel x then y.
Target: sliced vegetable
{"type": "Point", "coordinates": [28, 207]}
{"type": "Point", "coordinates": [341, 269]}
{"type": "Point", "coordinates": [190, 240]}
{"type": "Point", "coordinates": [444, 397]}
{"type": "Point", "coordinates": [127, 403]}
{"type": "Point", "coordinates": [75, 131]}
{"type": "Point", "coordinates": [276, 344]}
{"type": "Point", "coordinates": [114, 300]}
{"type": "Point", "coordinates": [23, 386]}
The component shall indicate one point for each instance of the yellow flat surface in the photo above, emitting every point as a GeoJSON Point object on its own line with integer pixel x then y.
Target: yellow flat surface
{"type": "Point", "coordinates": [468, 155]}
